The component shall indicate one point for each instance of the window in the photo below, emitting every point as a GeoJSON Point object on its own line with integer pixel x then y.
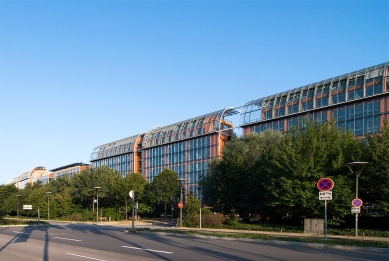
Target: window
{"type": "Point", "coordinates": [280, 112]}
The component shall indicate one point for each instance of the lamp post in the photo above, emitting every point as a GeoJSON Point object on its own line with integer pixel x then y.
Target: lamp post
{"type": "Point", "coordinates": [48, 193]}
{"type": "Point", "coordinates": [358, 167]}
{"type": "Point", "coordinates": [17, 206]}
{"type": "Point", "coordinates": [97, 203]}
{"type": "Point", "coordinates": [180, 180]}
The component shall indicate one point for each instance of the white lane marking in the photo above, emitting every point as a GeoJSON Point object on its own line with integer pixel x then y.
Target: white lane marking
{"type": "Point", "coordinates": [85, 257]}
{"type": "Point", "coordinates": [64, 238]}
{"type": "Point", "coordinates": [20, 232]}
{"type": "Point", "coordinates": [151, 250]}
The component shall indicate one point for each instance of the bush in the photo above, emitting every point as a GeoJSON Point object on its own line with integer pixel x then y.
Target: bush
{"type": "Point", "coordinates": [211, 220]}
{"type": "Point", "coordinates": [233, 219]}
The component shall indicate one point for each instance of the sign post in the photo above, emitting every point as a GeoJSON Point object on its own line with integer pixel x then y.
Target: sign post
{"type": "Point", "coordinates": [132, 195]}
{"type": "Point", "coordinates": [325, 185]}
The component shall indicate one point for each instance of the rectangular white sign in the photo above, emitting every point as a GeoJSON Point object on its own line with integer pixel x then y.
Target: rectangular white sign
{"type": "Point", "coordinates": [27, 206]}
{"type": "Point", "coordinates": [325, 195]}
{"type": "Point", "coordinates": [355, 210]}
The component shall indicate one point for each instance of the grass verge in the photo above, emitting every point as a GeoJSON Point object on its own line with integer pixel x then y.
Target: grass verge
{"type": "Point", "coordinates": [329, 241]}
{"type": "Point", "coordinates": [9, 222]}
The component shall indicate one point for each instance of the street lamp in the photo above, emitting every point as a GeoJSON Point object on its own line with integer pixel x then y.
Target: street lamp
{"type": "Point", "coordinates": [180, 180]}
{"type": "Point", "coordinates": [48, 204]}
{"type": "Point", "coordinates": [17, 208]}
{"type": "Point", "coordinates": [97, 203]}
{"type": "Point", "coordinates": [358, 167]}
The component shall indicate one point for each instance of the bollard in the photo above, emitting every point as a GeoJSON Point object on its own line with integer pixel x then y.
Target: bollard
{"type": "Point", "coordinates": [363, 235]}
{"type": "Point", "coordinates": [249, 229]}
{"type": "Point", "coordinates": [281, 230]}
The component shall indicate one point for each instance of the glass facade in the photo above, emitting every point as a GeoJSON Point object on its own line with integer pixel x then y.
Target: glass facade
{"type": "Point", "coordinates": [186, 147]}
{"type": "Point", "coordinates": [348, 98]}
{"type": "Point", "coordinates": [119, 155]}
{"type": "Point", "coordinates": [359, 101]}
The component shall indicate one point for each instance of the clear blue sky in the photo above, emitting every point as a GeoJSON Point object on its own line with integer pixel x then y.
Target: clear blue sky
{"type": "Point", "coordinates": [78, 74]}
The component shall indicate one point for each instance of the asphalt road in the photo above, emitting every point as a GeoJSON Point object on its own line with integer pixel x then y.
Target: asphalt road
{"type": "Point", "coordinates": [60, 241]}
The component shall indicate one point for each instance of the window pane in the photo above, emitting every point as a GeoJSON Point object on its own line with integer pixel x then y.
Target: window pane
{"type": "Point", "coordinates": [350, 113]}
{"type": "Point", "coordinates": [341, 97]}
{"type": "Point", "coordinates": [368, 128]}
{"type": "Point", "coordinates": [358, 110]}
{"type": "Point", "coordinates": [359, 127]}
{"type": "Point", "coordinates": [341, 114]}
{"type": "Point", "coordinates": [369, 91]}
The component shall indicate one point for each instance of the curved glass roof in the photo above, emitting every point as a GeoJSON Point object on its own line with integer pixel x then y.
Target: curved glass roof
{"type": "Point", "coordinates": [114, 148]}
{"type": "Point", "coordinates": [207, 123]}
{"type": "Point", "coordinates": [251, 112]}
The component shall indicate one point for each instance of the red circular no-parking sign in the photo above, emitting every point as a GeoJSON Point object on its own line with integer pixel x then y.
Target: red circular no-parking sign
{"type": "Point", "coordinates": [180, 205]}
{"type": "Point", "coordinates": [325, 184]}
{"type": "Point", "coordinates": [357, 202]}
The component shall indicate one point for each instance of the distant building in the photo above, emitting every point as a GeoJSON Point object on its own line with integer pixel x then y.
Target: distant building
{"type": "Point", "coordinates": [29, 177]}
{"type": "Point", "coordinates": [41, 174]}
{"type": "Point", "coordinates": [69, 170]}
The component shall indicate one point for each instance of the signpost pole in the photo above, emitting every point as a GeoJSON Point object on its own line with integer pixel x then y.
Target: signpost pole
{"type": "Point", "coordinates": [325, 185]}
{"type": "Point", "coordinates": [325, 219]}
{"type": "Point", "coordinates": [133, 213]}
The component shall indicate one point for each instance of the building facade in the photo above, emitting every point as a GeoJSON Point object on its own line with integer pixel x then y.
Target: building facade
{"type": "Point", "coordinates": [68, 170]}
{"type": "Point", "coordinates": [29, 177]}
{"type": "Point", "coordinates": [358, 101]}
{"type": "Point", "coordinates": [185, 147]}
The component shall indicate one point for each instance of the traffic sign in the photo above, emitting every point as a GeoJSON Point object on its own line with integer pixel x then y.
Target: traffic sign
{"type": "Point", "coordinates": [27, 207]}
{"type": "Point", "coordinates": [325, 195]}
{"type": "Point", "coordinates": [357, 202]}
{"type": "Point", "coordinates": [325, 184]}
{"type": "Point", "coordinates": [180, 205]}
{"type": "Point", "coordinates": [355, 210]}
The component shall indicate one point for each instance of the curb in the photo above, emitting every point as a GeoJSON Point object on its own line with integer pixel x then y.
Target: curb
{"type": "Point", "coordinates": [278, 242]}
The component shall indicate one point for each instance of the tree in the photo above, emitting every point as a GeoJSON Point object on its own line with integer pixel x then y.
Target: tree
{"type": "Point", "coordinates": [191, 210]}
{"type": "Point", "coordinates": [165, 186]}
{"type": "Point", "coordinates": [136, 182]}
{"type": "Point", "coordinates": [308, 153]}
{"type": "Point", "coordinates": [374, 181]}
{"type": "Point", "coordinates": [104, 177]}
{"type": "Point", "coordinates": [5, 191]}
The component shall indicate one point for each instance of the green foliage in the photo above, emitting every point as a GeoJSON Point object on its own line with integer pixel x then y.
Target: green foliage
{"type": "Point", "coordinates": [164, 187]}
{"type": "Point", "coordinates": [374, 180]}
{"type": "Point", "coordinates": [191, 211]}
{"type": "Point", "coordinates": [233, 218]}
{"type": "Point", "coordinates": [272, 177]}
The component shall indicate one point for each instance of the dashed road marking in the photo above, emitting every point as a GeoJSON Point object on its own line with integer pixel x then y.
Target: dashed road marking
{"type": "Point", "coordinates": [150, 250]}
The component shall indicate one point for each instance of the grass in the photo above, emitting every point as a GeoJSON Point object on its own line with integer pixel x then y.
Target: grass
{"type": "Point", "coordinates": [9, 222]}
{"type": "Point", "coordinates": [300, 229]}
{"type": "Point", "coordinates": [342, 242]}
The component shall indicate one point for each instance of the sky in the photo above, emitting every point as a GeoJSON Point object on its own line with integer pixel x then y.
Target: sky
{"type": "Point", "coordinates": [78, 74]}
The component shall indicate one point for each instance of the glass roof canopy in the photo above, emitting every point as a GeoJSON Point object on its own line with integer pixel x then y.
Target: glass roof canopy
{"type": "Point", "coordinates": [251, 111]}
{"type": "Point", "coordinates": [207, 123]}
{"type": "Point", "coordinates": [114, 148]}
{"type": "Point", "coordinates": [204, 124]}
